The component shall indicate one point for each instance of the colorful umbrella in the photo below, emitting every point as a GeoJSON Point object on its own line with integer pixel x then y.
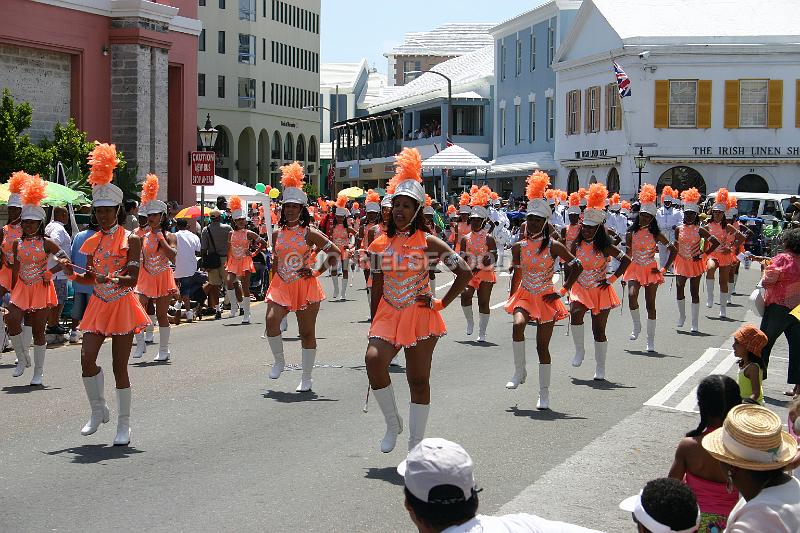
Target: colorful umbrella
{"type": "Point", "coordinates": [352, 192]}
{"type": "Point", "coordinates": [56, 195]}
{"type": "Point", "coordinates": [193, 211]}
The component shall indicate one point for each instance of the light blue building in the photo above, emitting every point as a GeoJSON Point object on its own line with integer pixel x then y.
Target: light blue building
{"type": "Point", "coordinates": [525, 94]}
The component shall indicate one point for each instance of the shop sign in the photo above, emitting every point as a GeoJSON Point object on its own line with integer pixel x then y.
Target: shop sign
{"type": "Point", "coordinates": [747, 151]}
{"type": "Point", "coordinates": [591, 154]}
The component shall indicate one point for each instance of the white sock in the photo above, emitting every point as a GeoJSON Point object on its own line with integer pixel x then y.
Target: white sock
{"type": "Point", "coordinates": [710, 292]}
{"type": "Point", "coordinates": [335, 281]}
{"type": "Point", "coordinates": [695, 315]}
{"type": "Point", "coordinates": [578, 341]}
{"type": "Point", "coordinates": [163, 337]}
{"type": "Point", "coordinates": [151, 326]}
{"type": "Point", "coordinates": [344, 288]}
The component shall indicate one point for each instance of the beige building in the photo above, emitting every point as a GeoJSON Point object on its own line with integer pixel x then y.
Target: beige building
{"type": "Point", "coordinates": [258, 66]}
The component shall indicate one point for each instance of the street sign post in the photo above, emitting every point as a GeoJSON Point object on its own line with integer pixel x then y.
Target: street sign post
{"type": "Point", "coordinates": [203, 175]}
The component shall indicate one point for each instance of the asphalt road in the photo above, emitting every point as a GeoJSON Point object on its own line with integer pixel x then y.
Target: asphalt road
{"type": "Point", "coordinates": [218, 446]}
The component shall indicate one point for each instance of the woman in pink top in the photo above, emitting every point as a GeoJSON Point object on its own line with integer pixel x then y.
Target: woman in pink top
{"type": "Point", "coordinates": [782, 294]}
{"type": "Point", "coordinates": [716, 395]}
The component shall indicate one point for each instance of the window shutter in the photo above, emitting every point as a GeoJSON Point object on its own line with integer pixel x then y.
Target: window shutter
{"type": "Point", "coordinates": [567, 115]}
{"type": "Point", "coordinates": [775, 104]}
{"type": "Point", "coordinates": [661, 114]}
{"type": "Point", "coordinates": [731, 104]}
{"type": "Point", "coordinates": [703, 104]}
{"type": "Point", "coordinates": [598, 102]}
{"type": "Point", "coordinates": [588, 111]}
{"type": "Point", "coordinates": [577, 111]}
{"type": "Point", "coordinates": [797, 104]}
{"type": "Point", "coordinates": [608, 107]}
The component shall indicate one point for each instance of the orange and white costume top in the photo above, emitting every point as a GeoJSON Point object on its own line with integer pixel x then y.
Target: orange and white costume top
{"type": "Point", "coordinates": [112, 309]}
{"type": "Point", "coordinates": [536, 269]}
{"type": "Point", "coordinates": [11, 234]}
{"type": "Point", "coordinates": [737, 224]}
{"type": "Point", "coordinates": [155, 275]}
{"type": "Point", "coordinates": [141, 231]}
{"type": "Point", "coordinates": [239, 258]}
{"type": "Point", "coordinates": [400, 320]}
{"type": "Point", "coordinates": [291, 254]}
{"type": "Point", "coordinates": [587, 290]}
{"type": "Point", "coordinates": [571, 234]}
{"type": "Point", "coordinates": [31, 292]}
{"type": "Point", "coordinates": [722, 254]}
{"type": "Point", "coordinates": [463, 229]}
{"type": "Point", "coordinates": [478, 249]}
{"type": "Point", "coordinates": [643, 259]}
{"type": "Point", "coordinates": [688, 248]}
{"type": "Point", "coordinates": [341, 238]}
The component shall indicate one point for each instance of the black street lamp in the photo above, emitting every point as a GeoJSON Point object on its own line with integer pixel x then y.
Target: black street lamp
{"type": "Point", "coordinates": [640, 161]}
{"type": "Point", "coordinates": [208, 138]}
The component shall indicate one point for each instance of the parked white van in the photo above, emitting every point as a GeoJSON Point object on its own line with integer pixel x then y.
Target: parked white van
{"type": "Point", "coordinates": [762, 204]}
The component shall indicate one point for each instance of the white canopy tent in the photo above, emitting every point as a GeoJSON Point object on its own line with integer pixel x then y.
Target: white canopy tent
{"type": "Point", "coordinates": [228, 188]}
{"type": "Point", "coordinates": [454, 157]}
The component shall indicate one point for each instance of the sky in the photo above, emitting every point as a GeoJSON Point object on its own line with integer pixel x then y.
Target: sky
{"type": "Point", "coordinates": [352, 29]}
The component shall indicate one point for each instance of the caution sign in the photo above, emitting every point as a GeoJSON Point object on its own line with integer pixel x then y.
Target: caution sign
{"type": "Point", "coordinates": [203, 168]}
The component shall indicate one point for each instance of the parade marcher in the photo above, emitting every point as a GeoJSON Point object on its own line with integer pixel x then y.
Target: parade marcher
{"type": "Point", "coordinates": [667, 217]}
{"type": "Point", "coordinates": [533, 297]}
{"type": "Point", "coordinates": [722, 257]}
{"type": "Point", "coordinates": [240, 260]}
{"type": "Point", "coordinates": [644, 271]}
{"type": "Point", "coordinates": [11, 233]}
{"type": "Point", "coordinates": [156, 280]}
{"type": "Point", "coordinates": [428, 212]}
{"type": "Point", "coordinates": [405, 316]}
{"type": "Point", "coordinates": [594, 289]}
{"type": "Point", "coordinates": [689, 263]}
{"type": "Point", "coordinates": [340, 233]}
{"type": "Point", "coordinates": [556, 217]}
{"type": "Point", "coordinates": [32, 291]}
{"type": "Point", "coordinates": [569, 232]}
{"type": "Point", "coordinates": [480, 251]}
{"type": "Point", "coordinates": [617, 223]}
{"type": "Point", "coordinates": [731, 214]}
{"type": "Point", "coordinates": [113, 256]}
{"type": "Point", "coordinates": [462, 223]}
{"type": "Point", "coordinates": [294, 287]}
{"type": "Point", "coordinates": [372, 206]}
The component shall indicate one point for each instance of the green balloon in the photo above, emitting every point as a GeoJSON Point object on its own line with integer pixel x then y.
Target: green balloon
{"type": "Point", "coordinates": [260, 187]}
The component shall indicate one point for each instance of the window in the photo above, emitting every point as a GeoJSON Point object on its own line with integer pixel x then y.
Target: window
{"type": "Point", "coordinates": [613, 109]}
{"type": "Point", "coordinates": [503, 126]}
{"type": "Point", "coordinates": [682, 103]}
{"type": "Point", "coordinates": [247, 49]}
{"type": "Point", "coordinates": [411, 70]}
{"type": "Point", "coordinates": [201, 3]}
{"type": "Point", "coordinates": [519, 58]}
{"type": "Point", "coordinates": [263, 49]}
{"type": "Point", "coordinates": [573, 112]}
{"type": "Point", "coordinates": [221, 86]}
{"type": "Point", "coordinates": [592, 109]}
{"type": "Point", "coordinates": [201, 84]}
{"type": "Point", "coordinates": [222, 4]}
{"type": "Point", "coordinates": [532, 122]}
{"type": "Point", "coordinates": [551, 119]}
{"type": "Point", "coordinates": [221, 42]}
{"type": "Point", "coordinates": [533, 51]}
{"type": "Point", "coordinates": [551, 45]}
{"type": "Point", "coordinates": [517, 124]}
{"type": "Point", "coordinates": [247, 93]}
{"type": "Point", "coordinates": [263, 92]}
{"type": "Point", "coordinates": [201, 41]}
{"type": "Point", "coordinates": [247, 10]}
{"type": "Point", "coordinates": [502, 61]}
{"type": "Point", "coordinates": [753, 103]}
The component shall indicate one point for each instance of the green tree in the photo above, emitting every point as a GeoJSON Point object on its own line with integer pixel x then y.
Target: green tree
{"type": "Point", "coordinates": [17, 152]}
{"type": "Point", "coordinates": [69, 145]}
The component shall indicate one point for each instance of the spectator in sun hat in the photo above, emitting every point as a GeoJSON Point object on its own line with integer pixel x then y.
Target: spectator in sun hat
{"type": "Point", "coordinates": [440, 495]}
{"type": "Point", "coordinates": [665, 505]}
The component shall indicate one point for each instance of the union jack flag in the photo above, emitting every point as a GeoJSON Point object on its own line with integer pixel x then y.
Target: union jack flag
{"type": "Point", "coordinates": [448, 144]}
{"type": "Point", "coordinates": [623, 82]}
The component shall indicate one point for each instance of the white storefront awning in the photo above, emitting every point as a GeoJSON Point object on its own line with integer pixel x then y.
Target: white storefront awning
{"type": "Point", "coordinates": [228, 188]}
{"type": "Point", "coordinates": [455, 158]}
{"type": "Point", "coordinates": [520, 164]}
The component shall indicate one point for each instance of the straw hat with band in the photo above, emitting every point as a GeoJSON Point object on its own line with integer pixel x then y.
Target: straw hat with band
{"type": "Point", "coordinates": [633, 504]}
{"type": "Point", "coordinates": [293, 179]}
{"type": "Point", "coordinates": [536, 190]}
{"type": "Point", "coordinates": [751, 438]}
{"type": "Point", "coordinates": [103, 160]}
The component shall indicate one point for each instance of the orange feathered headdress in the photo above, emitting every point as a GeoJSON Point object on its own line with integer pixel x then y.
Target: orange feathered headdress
{"type": "Point", "coordinates": [721, 198]}
{"type": "Point", "coordinates": [582, 192]}
{"type": "Point", "coordinates": [562, 195]}
{"type": "Point", "coordinates": [35, 191]}
{"type": "Point", "coordinates": [494, 196]}
{"type": "Point", "coordinates": [668, 191]}
{"type": "Point", "coordinates": [356, 206]}
{"type": "Point", "coordinates": [292, 175]}
{"type": "Point", "coordinates": [373, 197]}
{"type": "Point", "coordinates": [323, 205]}
{"type": "Point", "coordinates": [341, 201]}
{"type": "Point", "coordinates": [614, 199]}
{"type": "Point", "coordinates": [464, 199]}
{"type": "Point", "coordinates": [691, 196]}
{"type": "Point", "coordinates": [481, 197]}
{"type": "Point", "coordinates": [408, 165]}
{"type": "Point", "coordinates": [473, 189]}
{"type": "Point", "coordinates": [551, 194]}
{"type": "Point", "coordinates": [103, 160]}
{"type": "Point", "coordinates": [428, 200]}
{"type": "Point", "coordinates": [732, 202]}
{"type": "Point", "coordinates": [648, 194]}
{"type": "Point", "coordinates": [149, 188]}
{"type": "Point", "coordinates": [596, 197]}
{"type": "Point", "coordinates": [17, 181]}
{"type": "Point", "coordinates": [625, 204]}
{"type": "Point", "coordinates": [574, 199]}
{"type": "Point", "coordinates": [451, 210]}
{"type": "Point", "coordinates": [235, 203]}
{"type": "Point", "coordinates": [537, 184]}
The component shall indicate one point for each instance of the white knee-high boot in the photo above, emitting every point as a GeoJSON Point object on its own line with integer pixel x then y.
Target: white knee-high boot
{"type": "Point", "coordinates": [681, 313]}
{"type": "Point", "coordinates": [483, 322]}
{"type": "Point", "coordinates": [284, 324]}
{"type": "Point", "coordinates": [39, 353]}
{"type": "Point", "coordinates": [467, 309]}
{"type": "Point", "coordinates": [394, 424]}
{"type": "Point", "coordinates": [600, 351]}
{"type": "Point", "coordinates": [709, 293]}
{"type": "Point", "coordinates": [97, 402]}
{"type": "Point", "coordinates": [335, 281]}
{"type": "Point", "coordinates": [123, 437]}
{"type": "Point", "coordinates": [276, 346]}
{"type": "Point", "coordinates": [417, 421]}
{"type": "Point", "coordinates": [234, 303]}
{"type": "Point", "coordinates": [577, 340]}
{"type": "Point", "coordinates": [148, 335]}
{"type": "Point", "coordinates": [520, 373]}
{"type": "Point", "coordinates": [723, 304]}
{"type": "Point", "coordinates": [695, 317]}
{"type": "Point", "coordinates": [309, 355]}
{"type": "Point", "coordinates": [637, 324]}
{"type": "Point", "coordinates": [344, 290]}
{"type": "Point", "coordinates": [163, 344]}
{"type": "Point", "coordinates": [651, 335]}
{"type": "Point", "coordinates": [23, 360]}
{"type": "Point", "coordinates": [544, 387]}
{"type": "Point", "coordinates": [141, 345]}
{"type": "Point", "coordinates": [27, 336]}
{"type": "Point", "coordinates": [246, 306]}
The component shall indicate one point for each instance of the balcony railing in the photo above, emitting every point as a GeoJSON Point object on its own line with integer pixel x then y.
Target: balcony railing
{"type": "Point", "coordinates": [374, 150]}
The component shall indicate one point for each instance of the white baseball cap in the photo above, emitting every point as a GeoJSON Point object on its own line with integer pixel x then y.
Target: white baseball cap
{"type": "Point", "coordinates": [435, 462]}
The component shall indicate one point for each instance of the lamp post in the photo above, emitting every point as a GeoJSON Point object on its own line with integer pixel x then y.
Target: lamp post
{"type": "Point", "coordinates": [208, 138]}
{"type": "Point", "coordinates": [640, 161]}
{"type": "Point", "coordinates": [315, 107]}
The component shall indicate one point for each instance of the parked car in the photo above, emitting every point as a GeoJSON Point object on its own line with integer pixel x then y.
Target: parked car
{"type": "Point", "coordinates": [758, 204]}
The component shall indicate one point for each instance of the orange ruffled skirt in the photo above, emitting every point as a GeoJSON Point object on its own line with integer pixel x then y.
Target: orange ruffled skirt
{"type": "Point", "coordinates": [723, 259]}
{"type": "Point", "coordinates": [688, 268]}
{"type": "Point", "coordinates": [5, 278]}
{"type": "Point", "coordinates": [481, 276]}
{"type": "Point", "coordinates": [643, 275]}
{"type": "Point", "coordinates": [239, 265]}
{"type": "Point", "coordinates": [297, 295]}
{"type": "Point", "coordinates": [536, 307]}
{"type": "Point", "coordinates": [596, 299]}
{"type": "Point", "coordinates": [156, 286]}
{"type": "Point", "coordinates": [35, 296]}
{"type": "Point", "coordinates": [120, 317]}
{"type": "Point", "coordinates": [404, 328]}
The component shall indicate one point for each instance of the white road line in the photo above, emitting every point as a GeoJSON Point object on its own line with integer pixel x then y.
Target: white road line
{"type": "Point", "coordinates": [497, 306]}
{"type": "Point", "coordinates": [445, 285]}
{"type": "Point", "coordinates": [726, 363]}
{"type": "Point", "coordinates": [670, 388]}
{"type": "Point", "coordinates": [689, 402]}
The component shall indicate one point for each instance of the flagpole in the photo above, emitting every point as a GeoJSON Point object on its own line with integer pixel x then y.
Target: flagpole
{"type": "Point", "coordinates": [625, 126]}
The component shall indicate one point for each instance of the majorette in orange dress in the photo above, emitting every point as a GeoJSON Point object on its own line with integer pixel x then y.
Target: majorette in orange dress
{"type": "Point", "coordinates": [30, 293]}
{"type": "Point", "coordinates": [155, 276]}
{"type": "Point", "coordinates": [478, 249]}
{"type": "Point", "coordinates": [11, 234]}
{"type": "Point", "coordinates": [288, 288]}
{"type": "Point", "coordinates": [239, 258]}
{"type": "Point", "coordinates": [536, 269]}
{"type": "Point", "coordinates": [723, 254]}
{"type": "Point", "coordinates": [689, 248]}
{"type": "Point", "coordinates": [399, 319]}
{"type": "Point", "coordinates": [587, 290]}
{"type": "Point", "coordinates": [643, 260]}
{"type": "Point", "coordinates": [341, 238]}
{"type": "Point", "coordinates": [572, 234]}
{"type": "Point", "coordinates": [112, 309]}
